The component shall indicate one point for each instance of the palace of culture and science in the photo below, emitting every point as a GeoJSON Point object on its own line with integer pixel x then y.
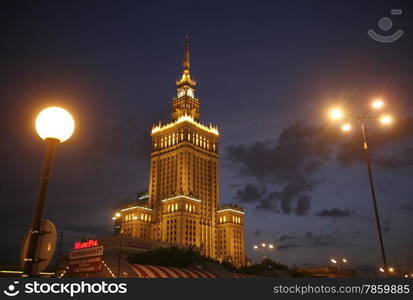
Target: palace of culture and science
{"type": "Point", "coordinates": [182, 205]}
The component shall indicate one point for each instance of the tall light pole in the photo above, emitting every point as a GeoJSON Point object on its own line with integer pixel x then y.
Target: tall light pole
{"type": "Point", "coordinates": [54, 125]}
{"type": "Point", "coordinates": [337, 114]}
{"type": "Point", "coordinates": [116, 217]}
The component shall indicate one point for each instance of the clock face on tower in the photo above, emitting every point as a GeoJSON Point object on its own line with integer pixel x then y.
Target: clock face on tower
{"type": "Point", "coordinates": [189, 92]}
{"type": "Point", "coordinates": [181, 92]}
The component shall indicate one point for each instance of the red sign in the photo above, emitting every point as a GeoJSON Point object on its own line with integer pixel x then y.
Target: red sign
{"type": "Point", "coordinates": [88, 244]}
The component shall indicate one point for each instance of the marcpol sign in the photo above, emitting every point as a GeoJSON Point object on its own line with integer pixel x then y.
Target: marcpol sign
{"type": "Point", "coordinates": [88, 244]}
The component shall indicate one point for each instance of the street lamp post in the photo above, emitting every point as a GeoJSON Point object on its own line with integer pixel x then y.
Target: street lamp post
{"type": "Point", "coordinates": [117, 217]}
{"type": "Point", "coordinates": [54, 125]}
{"type": "Point", "coordinates": [373, 195]}
{"type": "Point", "coordinates": [338, 114]}
{"type": "Point", "coordinates": [338, 262]}
{"type": "Point", "coordinates": [268, 246]}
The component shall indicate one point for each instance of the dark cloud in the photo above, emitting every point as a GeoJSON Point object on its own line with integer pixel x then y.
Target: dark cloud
{"type": "Point", "coordinates": [291, 163]}
{"type": "Point", "coordinates": [335, 212]}
{"type": "Point", "coordinates": [285, 237]}
{"type": "Point", "coordinates": [286, 246]}
{"type": "Point", "coordinates": [303, 205]}
{"type": "Point", "coordinates": [249, 193]}
{"type": "Point", "coordinates": [407, 207]}
{"type": "Point", "coordinates": [322, 240]}
{"type": "Point", "coordinates": [288, 163]}
{"type": "Point", "coordinates": [401, 160]}
{"type": "Point", "coordinates": [252, 194]}
{"type": "Point", "coordinates": [269, 202]}
{"type": "Point", "coordinates": [257, 232]}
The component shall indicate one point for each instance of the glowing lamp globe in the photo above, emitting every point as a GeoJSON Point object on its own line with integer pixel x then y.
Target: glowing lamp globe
{"type": "Point", "coordinates": [346, 127]}
{"type": "Point", "coordinates": [55, 123]}
{"type": "Point", "coordinates": [377, 104]}
{"type": "Point", "coordinates": [336, 114]}
{"type": "Point", "coordinates": [386, 119]}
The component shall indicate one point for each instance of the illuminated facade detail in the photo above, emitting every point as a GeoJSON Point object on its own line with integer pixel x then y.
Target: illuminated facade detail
{"type": "Point", "coordinates": [183, 204]}
{"type": "Point", "coordinates": [230, 234]}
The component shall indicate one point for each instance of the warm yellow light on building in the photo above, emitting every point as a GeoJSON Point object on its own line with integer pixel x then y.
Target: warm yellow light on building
{"type": "Point", "coordinates": [117, 215]}
{"type": "Point", "coordinates": [55, 123]}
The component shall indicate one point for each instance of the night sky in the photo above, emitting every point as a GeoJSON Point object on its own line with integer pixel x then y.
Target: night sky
{"type": "Point", "coordinates": [267, 73]}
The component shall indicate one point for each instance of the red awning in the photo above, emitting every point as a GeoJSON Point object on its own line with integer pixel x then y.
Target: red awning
{"type": "Point", "coordinates": [237, 275]}
{"type": "Point", "coordinates": [146, 271]}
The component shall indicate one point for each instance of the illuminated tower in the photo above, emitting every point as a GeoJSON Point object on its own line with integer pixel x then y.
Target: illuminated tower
{"type": "Point", "coordinates": [183, 186]}
{"type": "Point", "coordinates": [182, 206]}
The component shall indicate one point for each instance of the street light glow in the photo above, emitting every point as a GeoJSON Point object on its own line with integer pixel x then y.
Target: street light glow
{"type": "Point", "coordinates": [270, 246]}
{"type": "Point", "coordinates": [114, 218]}
{"type": "Point", "coordinates": [263, 245]}
{"type": "Point", "coordinates": [377, 104]}
{"type": "Point", "coordinates": [391, 269]}
{"type": "Point", "coordinates": [381, 270]}
{"type": "Point", "coordinates": [386, 119]}
{"type": "Point", "coordinates": [336, 114]}
{"type": "Point", "coordinates": [255, 247]}
{"type": "Point", "coordinates": [333, 261]}
{"type": "Point", "coordinates": [346, 127]}
{"type": "Point", "coordinates": [55, 123]}
{"type": "Point", "coordinates": [117, 214]}
{"type": "Point", "coordinates": [344, 260]}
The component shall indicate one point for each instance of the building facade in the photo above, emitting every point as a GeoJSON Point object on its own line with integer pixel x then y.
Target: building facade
{"type": "Point", "coordinates": [182, 205]}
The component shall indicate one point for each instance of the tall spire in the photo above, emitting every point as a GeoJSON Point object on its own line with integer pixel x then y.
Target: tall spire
{"type": "Point", "coordinates": [186, 63]}
{"type": "Point", "coordinates": [186, 75]}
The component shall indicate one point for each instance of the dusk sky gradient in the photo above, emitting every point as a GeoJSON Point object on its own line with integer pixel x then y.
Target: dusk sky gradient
{"type": "Point", "coordinates": [267, 72]}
